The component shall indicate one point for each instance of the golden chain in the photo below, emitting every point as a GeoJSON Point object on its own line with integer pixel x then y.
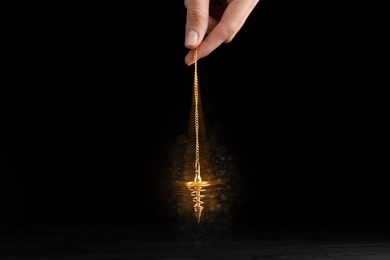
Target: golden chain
{"type": "Point", "coordinates": [197, 186]}
{"type": "Point", "coordinates": [196, 96]}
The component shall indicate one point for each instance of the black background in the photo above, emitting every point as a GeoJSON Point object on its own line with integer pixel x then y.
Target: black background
{"type": "Point", "coordinates": [95, 91]}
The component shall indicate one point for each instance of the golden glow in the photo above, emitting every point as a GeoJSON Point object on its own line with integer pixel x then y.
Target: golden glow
{"type": "Point", "coordinates": [196, 187]}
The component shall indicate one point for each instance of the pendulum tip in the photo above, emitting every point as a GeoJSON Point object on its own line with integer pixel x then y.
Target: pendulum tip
{"type": "Point", "coordinates": [198, 214]}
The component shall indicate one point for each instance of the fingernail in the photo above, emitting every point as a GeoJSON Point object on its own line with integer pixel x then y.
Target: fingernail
{"type": "Point", "coordinates": [191, 38]}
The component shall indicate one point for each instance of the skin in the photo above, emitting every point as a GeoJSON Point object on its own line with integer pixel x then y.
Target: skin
{"type": "Point", "coordinates": [213, 22]}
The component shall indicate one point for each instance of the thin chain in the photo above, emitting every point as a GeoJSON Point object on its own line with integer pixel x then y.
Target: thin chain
{"type": "Point", "coordinates": [196, 96]}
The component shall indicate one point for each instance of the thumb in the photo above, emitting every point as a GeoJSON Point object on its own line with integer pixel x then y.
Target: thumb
{"type": "Point", "coordinates": [197, 22]}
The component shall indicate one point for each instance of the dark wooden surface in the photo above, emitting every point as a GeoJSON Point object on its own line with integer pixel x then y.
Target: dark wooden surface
{"type": "Point", "coordinates": [156, 242]}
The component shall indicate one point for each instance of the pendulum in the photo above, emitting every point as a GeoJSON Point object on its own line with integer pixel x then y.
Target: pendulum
{"type": "Point", "coordinates": [197, 186]}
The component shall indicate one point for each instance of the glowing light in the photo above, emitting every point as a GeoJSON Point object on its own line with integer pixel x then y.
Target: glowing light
{"type": "Point", "coordinates": [196, 187]}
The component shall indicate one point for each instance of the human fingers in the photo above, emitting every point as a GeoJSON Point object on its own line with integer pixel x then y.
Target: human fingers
{"type": "Point", "coordinates": [234, 17]}
{"type": "Point", "coordinates": [196, 22]}
{"type": "Point", "coordinates": [225, 30]}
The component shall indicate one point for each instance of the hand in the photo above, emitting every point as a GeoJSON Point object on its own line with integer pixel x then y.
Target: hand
{"type": "Point", "coordinates": [219, 19]}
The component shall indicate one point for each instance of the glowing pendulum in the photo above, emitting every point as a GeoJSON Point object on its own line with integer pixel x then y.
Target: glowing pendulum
{"type": "Point", "coordinates": [197, 186]}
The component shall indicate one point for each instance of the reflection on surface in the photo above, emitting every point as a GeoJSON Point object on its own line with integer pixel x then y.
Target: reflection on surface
{"type": "Point", "coordinates": [162, 242]}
